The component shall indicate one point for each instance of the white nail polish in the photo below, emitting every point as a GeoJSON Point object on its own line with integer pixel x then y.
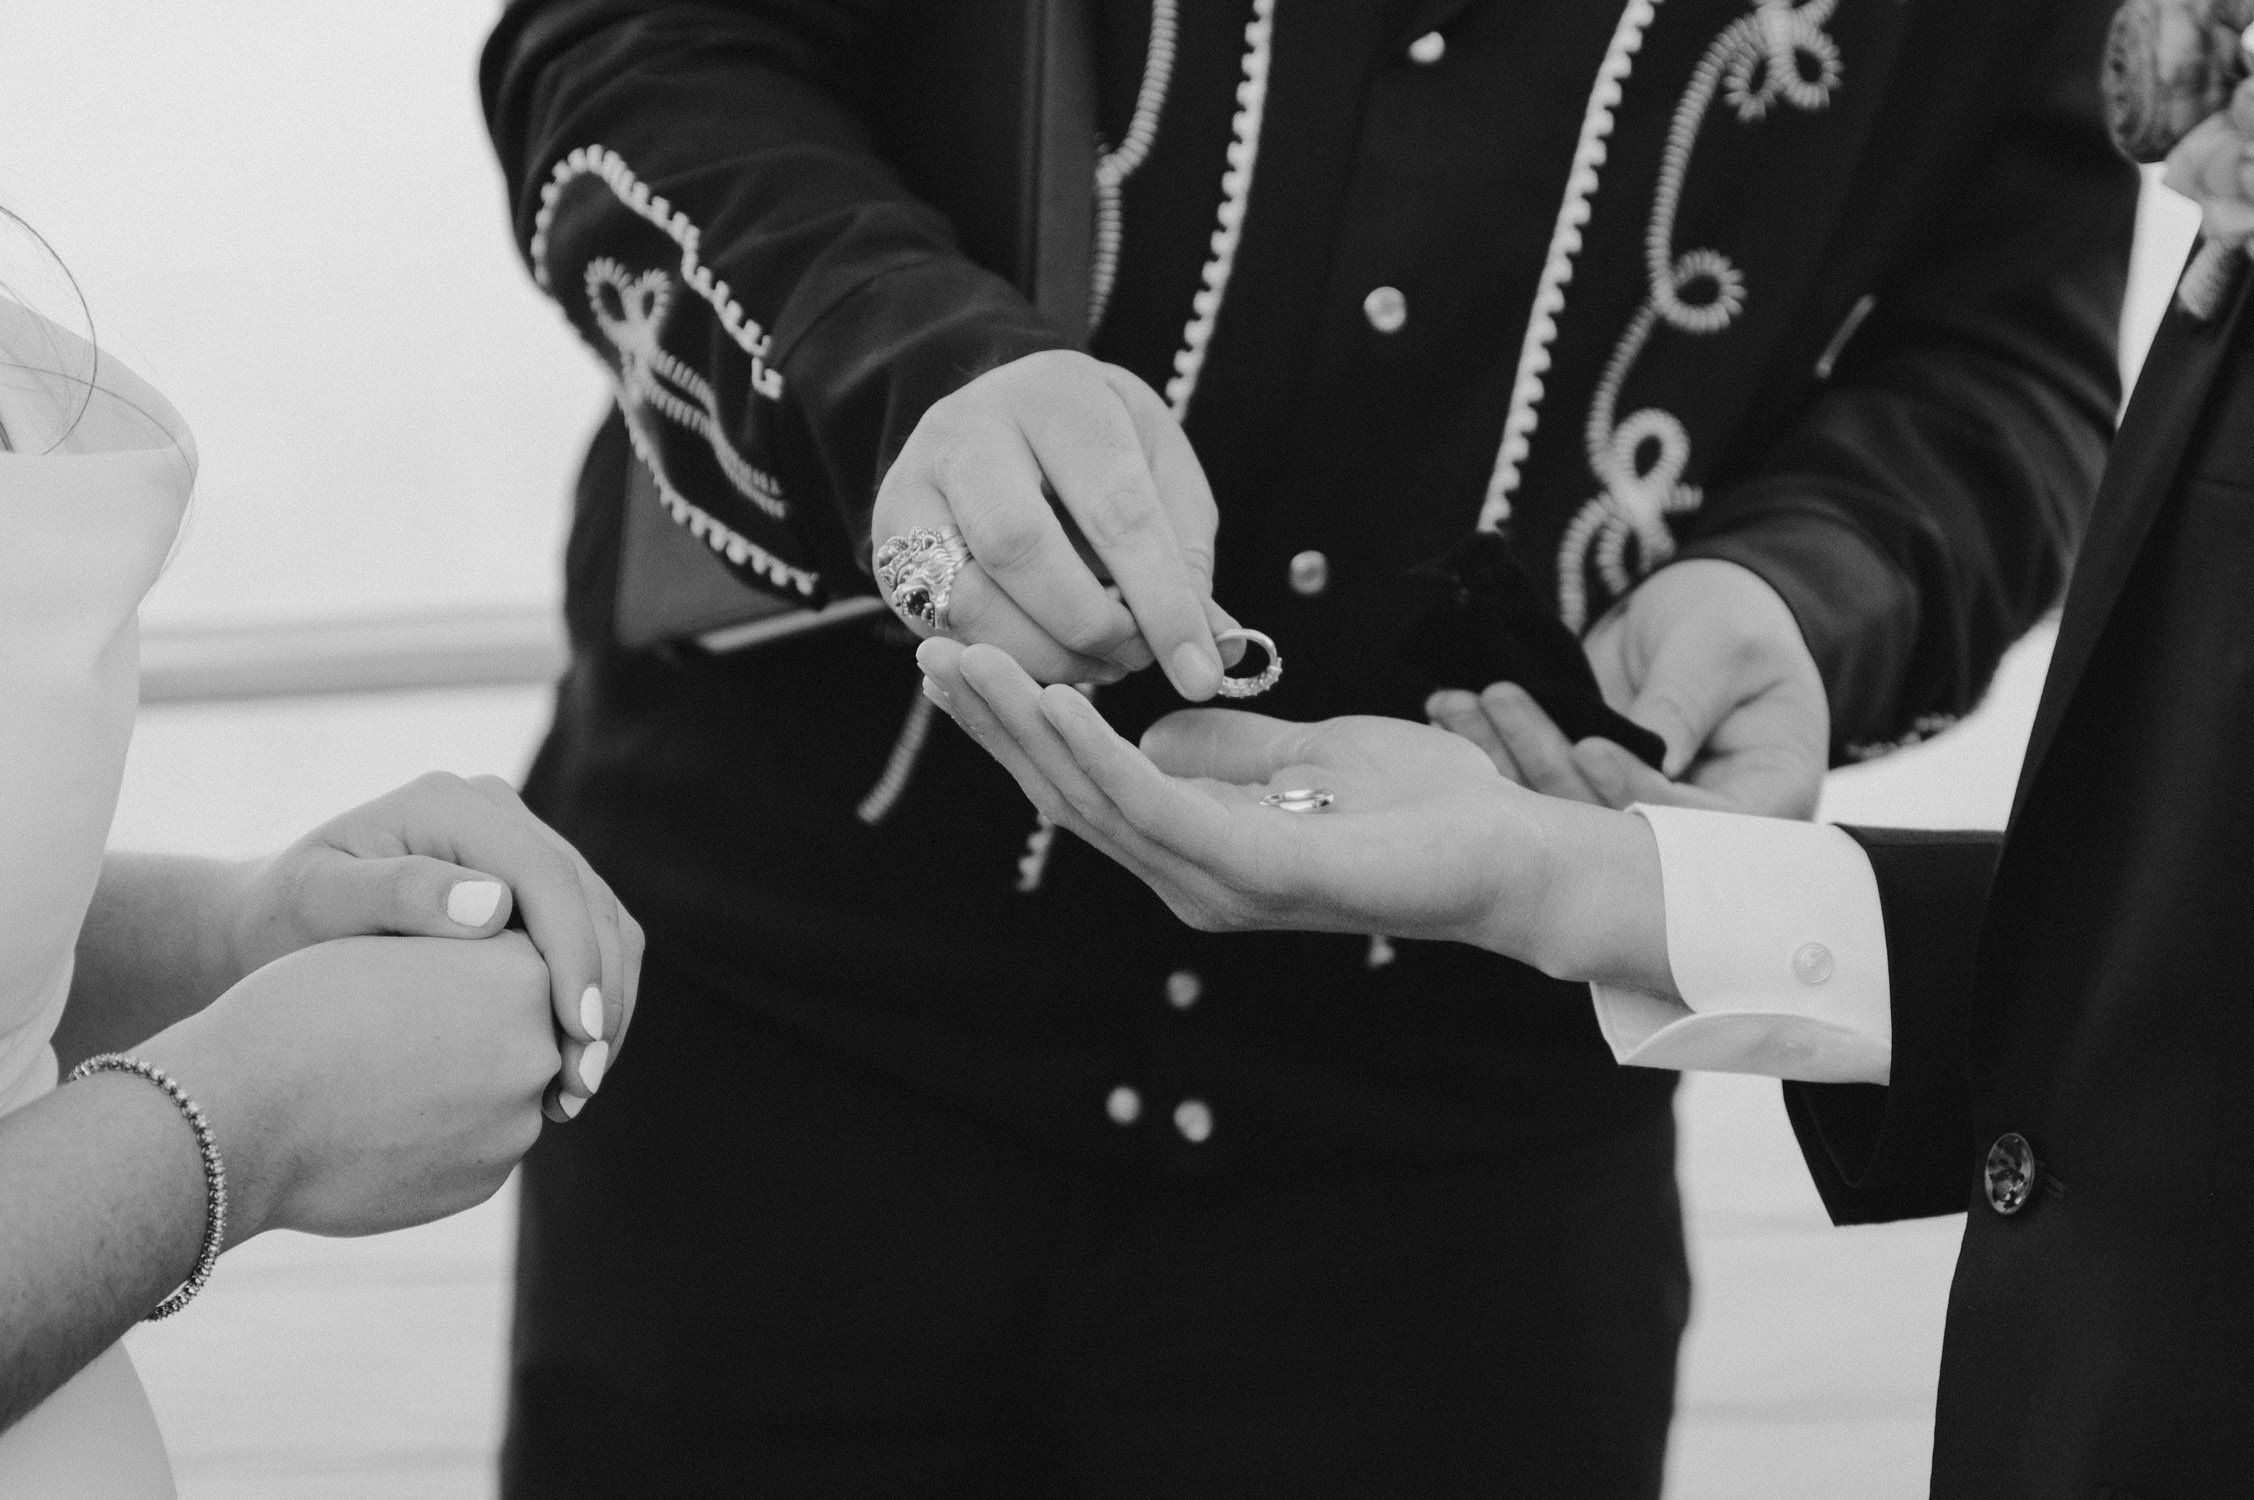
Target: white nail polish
{"type": "Point", "coordinates": [571, 1105]}
{"type": "Point", "coordinates": [591, 1065]}
{"type": "Point", "coordinates": [591, 1012]}
{"type": "Point", "coordinates": [473, 902]}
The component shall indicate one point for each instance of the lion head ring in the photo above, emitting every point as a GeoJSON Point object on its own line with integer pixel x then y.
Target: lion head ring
{"type": "Point", "coordinates": [917, 573]}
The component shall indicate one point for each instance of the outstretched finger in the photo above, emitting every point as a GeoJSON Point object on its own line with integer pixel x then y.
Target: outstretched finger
{"type": "Point", "coordinates": [1537, 746]}
{"type": "Point", "coordinates": [1459, 713]}
{"type": "Point", "coordinates": [1166, 812]}
{"type": "Point", "coordinates": [1014, 701]}
{"type": "Point", "coordinates": [945, 684]}
{"type": "Point", "coordinates": [1621, 778]}
{"type": "Point", "coordinates": [1224, 744]}
{"type": "Point", "coordinates": [1020, 710]}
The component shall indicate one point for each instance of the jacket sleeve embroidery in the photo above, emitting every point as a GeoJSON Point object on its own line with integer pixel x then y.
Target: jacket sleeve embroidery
{"type": "Point", "coordinates": [1778, 54]}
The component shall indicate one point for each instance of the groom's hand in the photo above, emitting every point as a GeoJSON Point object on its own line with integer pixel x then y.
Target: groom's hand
{"type": "Point", "coordinates": [1707, 656]}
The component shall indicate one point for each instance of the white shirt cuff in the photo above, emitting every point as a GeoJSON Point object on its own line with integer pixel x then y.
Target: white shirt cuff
{"type": "Point", "coordinates": [1778, 945]}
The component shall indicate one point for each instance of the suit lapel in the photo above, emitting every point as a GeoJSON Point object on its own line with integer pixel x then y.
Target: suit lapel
{"type": "Point", "coordinates": [2163, 414]}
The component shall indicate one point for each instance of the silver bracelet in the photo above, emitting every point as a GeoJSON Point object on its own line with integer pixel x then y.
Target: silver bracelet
{"type": "Point", "coordinates": [214, 1171]}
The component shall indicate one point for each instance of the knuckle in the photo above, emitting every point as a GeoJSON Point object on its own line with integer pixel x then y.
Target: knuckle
{"type": "Point", "coordinates": [1118, 509]}
{"type": "Point", "coordinates": [487, 784]}
{"type": "Point", "coordinates": [1009, 536]}
{"type": "Point", "coordinates": [438, 783]}
{"type": "Point", "coordinates": [521, 1136]}
{"type": "Point", "coordinates": [1094, 635]}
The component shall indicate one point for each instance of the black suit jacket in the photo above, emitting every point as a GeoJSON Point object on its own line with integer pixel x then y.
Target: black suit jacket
{"type": "Point", "coordinates": [2086, 983]}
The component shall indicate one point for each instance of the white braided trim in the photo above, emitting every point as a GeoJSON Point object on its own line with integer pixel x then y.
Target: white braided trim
{"type": "Point", "coordinates": [650, 376]}
{"type": "Point", "coordinates": [901, 764]}
{"type": "Point", "coordinates": [635, 194]}
{"type": "Point", "coordinates": [1113, 168]}
{"type": "Point", "coordinates": [1565, 245]}
{"type": "Point", "coordinates": [1034, 862]}
{"type": "Point", "coordinates": [1756, 62]}
{"type": "Point", "coordinates": [1923, 728]}
{"type": "Point", "coordinates": [1236, 191]}
{"type": "Point", "coordinates": [711, 530]}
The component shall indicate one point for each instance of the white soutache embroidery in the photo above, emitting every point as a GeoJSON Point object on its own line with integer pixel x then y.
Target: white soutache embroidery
{"type": "Point", "coordinates": [1236, 191]}
{"type": "Point", "coordinates": [901, 764]}
{"type": "Point", "coordinates": [635, 195]}
{"type": "Point", "coordinates": [1113, 168]}
{"type": "Point", "coordinates": [711, 530]}
{"type": "Point", "coordinates": [630, 310]}
{"type": "Point", "coordinates": [1922, 728]}
{"type": "Point", "coordinates": [1565, 245]}
{"type": "Point", "coordinates": [1780, 52]}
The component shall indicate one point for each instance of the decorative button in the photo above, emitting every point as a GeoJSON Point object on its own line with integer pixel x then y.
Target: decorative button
{"type": "Point", "coordinates": [1125, 1106]}
{"type": "Point", "coordinates": [1310, 573]}
{"type": "Point", "coordinates": [1811, 963]}
{"type": "Point", "coordinates": [1183, 988]}
{"type": "Point", "coordinates": [2010, 1174]}
{"type": "Point", "coordinates": [1194, 1118]}
{"type": "Point", "coordinates": [1428, 49]}
{"type": "Point", "coordinates": [1386, 309]}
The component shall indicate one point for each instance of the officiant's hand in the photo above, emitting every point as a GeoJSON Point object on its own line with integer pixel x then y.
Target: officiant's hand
{"type": "Point", "coordinates": [1420, 837]}
{"type": "Point", "coordinates": [986, 459]}
{"type": "Point", "coordinates": [446, 856]}
{"type": "Point", "coordinates": [1709, 657]}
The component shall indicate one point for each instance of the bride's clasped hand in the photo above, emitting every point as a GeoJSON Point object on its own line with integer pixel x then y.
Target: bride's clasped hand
{"type": "Point", "coordinates": [1358, 824]}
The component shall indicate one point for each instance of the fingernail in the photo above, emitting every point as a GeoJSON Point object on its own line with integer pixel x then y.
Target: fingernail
{"type": "Point", "coordinates": [571, 1105]}
{"type": "Point", "coordinates": [1197, 671]}
{"type": "Point", "coordinates": [591, 1011]}
{"type": "Point", "coordinates": [591, 1065]}
{"type": "Point", "coordinates": [473, 902]}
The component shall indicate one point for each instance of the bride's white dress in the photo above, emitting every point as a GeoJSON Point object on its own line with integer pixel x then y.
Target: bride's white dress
{"type": "Point", "coordinates": [84, 531]}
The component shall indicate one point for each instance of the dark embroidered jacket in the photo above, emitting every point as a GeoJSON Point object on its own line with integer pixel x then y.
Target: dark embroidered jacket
{"type": "Point", "coordinates": [1828, 289]}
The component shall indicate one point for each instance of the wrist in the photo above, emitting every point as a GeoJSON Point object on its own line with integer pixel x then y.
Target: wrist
{"type": "Point", "coordinates": [201, 1059]}
{"type": "Point", "coordinates": [1600, 916]}
{"type": "Point", "coordinates": [236, 922]}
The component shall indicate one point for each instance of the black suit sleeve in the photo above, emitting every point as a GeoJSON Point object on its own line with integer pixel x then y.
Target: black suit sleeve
{"type": "Point", "coordinates": [1904, 1151]}
{"type": "Point", "coordinates": [1924, 511]}
{"type": "Point", "coordinates": [689, 181]}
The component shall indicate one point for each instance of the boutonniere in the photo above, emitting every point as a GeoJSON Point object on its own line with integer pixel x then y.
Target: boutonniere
{"type": "Point", "coordinates": [2178, 89]}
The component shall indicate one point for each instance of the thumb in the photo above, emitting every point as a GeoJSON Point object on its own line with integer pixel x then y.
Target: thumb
{"type": "Point", "coordinates": [409, 895]}
{"type": "Point", "coordinates": [1681, 700]}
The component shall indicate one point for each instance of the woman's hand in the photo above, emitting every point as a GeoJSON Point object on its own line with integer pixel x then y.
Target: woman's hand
{"type": "Point", "coordinates": [453, 858]}
{"type": "Point", "coordinates": [1104, 443]}
{"type": "Point", "coordinates": [370, 1084]}
{"type": "Point", "coordinates": [1423, 839]}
